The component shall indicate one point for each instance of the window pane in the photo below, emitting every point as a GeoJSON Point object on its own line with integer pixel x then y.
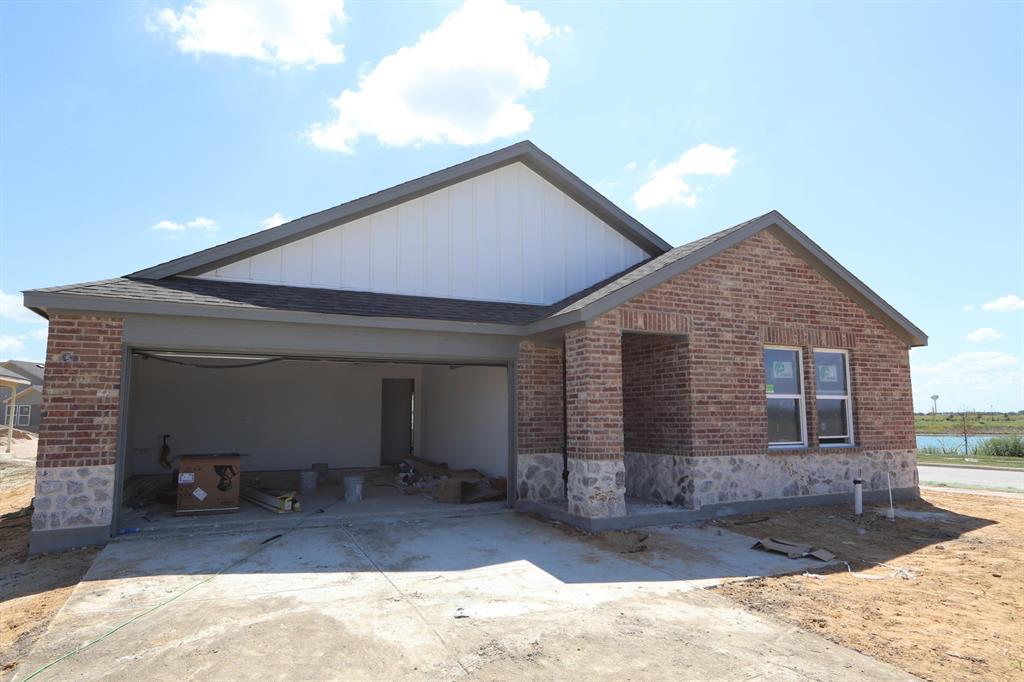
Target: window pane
{"type": "Point", "coordinates": [830, 373]}
{"type": "Point", "coordinates": [781, 371]}
{"type": "Point", "coordinates": [832, 418]}
{"type": "Point", "coordinates": [784, 420]}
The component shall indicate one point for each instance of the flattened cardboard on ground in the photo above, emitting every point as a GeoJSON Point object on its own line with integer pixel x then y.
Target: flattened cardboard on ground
{"type": "Point", "coordinates": [450, 490]}
{"type": "Point", "coordinates": [792, 550]}
{"type": "Point", "coordinates": [481, 492]}
{"type": "Point", "coordinates": [208, 483]}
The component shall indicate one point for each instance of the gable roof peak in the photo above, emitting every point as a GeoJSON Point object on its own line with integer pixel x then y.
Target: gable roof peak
{"type": "Point", "coordinates": [525, 152]}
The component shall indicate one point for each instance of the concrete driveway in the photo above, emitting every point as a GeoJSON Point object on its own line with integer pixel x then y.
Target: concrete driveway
{"type": "Point", "coordinates": [482, 596]}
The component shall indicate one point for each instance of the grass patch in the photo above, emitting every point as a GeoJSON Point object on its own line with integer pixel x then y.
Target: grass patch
{"type": "Point", "coordinates": [978, 422]}
{"type": "Point", "coordinates": [972, 461]}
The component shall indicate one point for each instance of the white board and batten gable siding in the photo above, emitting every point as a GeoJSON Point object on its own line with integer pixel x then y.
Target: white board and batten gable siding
{"type": "Point", "coordinates": [505, 235]}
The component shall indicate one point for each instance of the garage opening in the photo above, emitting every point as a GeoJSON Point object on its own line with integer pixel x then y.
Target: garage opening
{"type": "Point", "coordinates": [267, 423]}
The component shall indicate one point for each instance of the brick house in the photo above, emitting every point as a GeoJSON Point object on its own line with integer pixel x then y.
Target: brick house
{"type": "Point", "coordinates": [546, 335]}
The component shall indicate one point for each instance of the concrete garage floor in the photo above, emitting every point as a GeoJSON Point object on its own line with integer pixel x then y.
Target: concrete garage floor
{"type": "Point", "coordinates": [326, 506]}
{"type": "Point", "coordinates": [382, 599]}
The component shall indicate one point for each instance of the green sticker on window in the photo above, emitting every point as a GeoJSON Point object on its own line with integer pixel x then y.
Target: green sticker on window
{"type": "Point", "coordinates": [782, 369]}
{"type": "Point", "coordinates": [769, 388]}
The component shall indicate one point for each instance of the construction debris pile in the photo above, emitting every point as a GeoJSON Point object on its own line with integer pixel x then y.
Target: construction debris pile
{"type": "Point", "coordinates": [460, 486]}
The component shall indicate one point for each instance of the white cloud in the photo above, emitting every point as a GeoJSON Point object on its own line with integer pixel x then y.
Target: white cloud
{"type": "Point", "coordinates": [666, 185]}
{"type": "Point", "coordinates": [1007, 304]}
{"type": "Point", "coordinates": [273, 220]}
{"type": "Point", "coordinates": [631, 166]}
{"type": "Point", "coordinates": [279, 32]}
{"type": "Point", "coordinates": [199, 224]}
{"type": "Point", "coordinates": [974, 380]}
{"type": "Point", "coordinates": [11, 308]}
{"type": "Point", "coordinates": [967, 307]}
{"type": "Point", "coordinates": [460, 83]}
{"type": "Point", "coordinates": [984, 334]}
{"type": "Point", "coordinates": [10, 344]}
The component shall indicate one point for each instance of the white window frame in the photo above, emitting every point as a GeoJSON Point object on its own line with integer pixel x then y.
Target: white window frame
{"type": "Point", "coordinates": [801, 404]}
{"type": "Point", "coordinates": [24, 415]}
{"type": "Point", "coordinates": [848, 397]}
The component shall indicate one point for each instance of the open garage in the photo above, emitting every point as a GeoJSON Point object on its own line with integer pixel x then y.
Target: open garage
{"type": "Point", "coordinates": [282, 415]}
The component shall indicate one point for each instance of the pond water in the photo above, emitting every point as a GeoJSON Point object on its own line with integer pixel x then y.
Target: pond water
{"type": "Point", "coordinates": [949, 440]}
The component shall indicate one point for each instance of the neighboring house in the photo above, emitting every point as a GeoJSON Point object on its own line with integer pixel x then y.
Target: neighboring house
{"type": "Point", "coordinates": [29, 399]}
{"type": "Point", "coordinates": [500, 314]}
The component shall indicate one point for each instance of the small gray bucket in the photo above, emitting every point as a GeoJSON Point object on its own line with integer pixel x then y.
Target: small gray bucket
{"type": "Point", "coordinates": [353, 488]}
{"type": "Point", "coordinates": [307, 482]}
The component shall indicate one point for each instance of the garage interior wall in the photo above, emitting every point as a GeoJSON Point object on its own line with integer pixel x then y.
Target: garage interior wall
{"type": "Point", "coordinates": [290, 414]}
{"type": "Point", "coordinates": [465, 417]}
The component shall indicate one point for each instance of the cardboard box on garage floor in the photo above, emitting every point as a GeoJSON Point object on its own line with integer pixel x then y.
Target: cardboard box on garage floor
{"type": "Point", "coordinates": [208, 483]}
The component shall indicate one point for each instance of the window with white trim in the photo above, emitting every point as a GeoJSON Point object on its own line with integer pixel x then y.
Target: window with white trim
{"type": "Point", "coordinates": [23, 416]}
{"type": "Point", "coordinates": [832, 396]}
{"type": "Point", "coordinates": [784, 389]}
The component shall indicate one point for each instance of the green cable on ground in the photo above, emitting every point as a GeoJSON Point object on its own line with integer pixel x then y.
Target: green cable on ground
{"type": "Point", "coordinates": [263, 546]}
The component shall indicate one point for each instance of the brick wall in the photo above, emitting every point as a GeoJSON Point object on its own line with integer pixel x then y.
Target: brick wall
{"type": "Point", "coordinates": [760, 292]}
{"type": "Point", "coordinates": [593, 391]}
{"type": "Point", "coordinates": [655, 394]}
{"type": "Point", "coordinates": [540, 413]}
{"type": "Point", "coordinates": [80, 396]}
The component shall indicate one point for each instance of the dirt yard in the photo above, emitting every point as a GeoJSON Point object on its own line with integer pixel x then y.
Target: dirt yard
{"type": "Point", "coordinates": [31, 591]}
{"type": "Point", "coordinates": [948, 603]}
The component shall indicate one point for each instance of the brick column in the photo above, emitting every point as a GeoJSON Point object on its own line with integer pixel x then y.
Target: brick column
{"type": "Point", "coordinates": [540, 435]}
{"type": "Point", "coordinates": [75, 464]}
{"type": "Point", "coordinates": [597, 474]}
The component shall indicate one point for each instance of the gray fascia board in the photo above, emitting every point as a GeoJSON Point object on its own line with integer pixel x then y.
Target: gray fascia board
{"type": "Point", "coordinates": [781, 228]}
{"type": "Point", "coordinates": [76, 304]}
{"type": "Point", "coordinates": [525, 152]}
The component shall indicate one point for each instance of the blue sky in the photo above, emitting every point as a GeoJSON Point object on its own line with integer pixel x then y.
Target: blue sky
{"type": "Point", "coordinates": [892, 134]}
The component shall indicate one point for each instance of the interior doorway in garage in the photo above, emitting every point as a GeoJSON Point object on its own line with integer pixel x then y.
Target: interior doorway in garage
{"type": "Point", "coordinates": [397, 420]}
{"type": "Point", "coordinates": [286, 415]}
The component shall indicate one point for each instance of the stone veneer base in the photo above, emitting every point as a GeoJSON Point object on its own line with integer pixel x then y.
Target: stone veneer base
{"type": "Point", "coordinates": [539, 476]}
{"type": "Point", "coordinates": [597, 488]}
{"type": "Point", "coordinates": [653, 516]}
{"type": "Point", "coordinates": [73, 497]}
{"type": "Point", "coordinates": [695, 482]}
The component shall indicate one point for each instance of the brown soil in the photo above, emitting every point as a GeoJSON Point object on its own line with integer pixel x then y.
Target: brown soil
{"type": "Point", "coordinates": [956, 613]}
{"type": "Point", "coordinates": [31, 590]}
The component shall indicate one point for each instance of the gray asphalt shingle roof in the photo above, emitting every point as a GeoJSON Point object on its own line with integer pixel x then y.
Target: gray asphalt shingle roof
{"type": "Point", "coordinates": [303, 299]}
{"type": "Point", "coordinates": [576, 308]}
{"type": "Point", "coordinates": [643, 270]}
{"type": "Point", "coordinates": [14, 377]}
{"type": "Point", "coordinates": [192, 291]}
{"type": "Point", "coordinates": [33, 371]}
